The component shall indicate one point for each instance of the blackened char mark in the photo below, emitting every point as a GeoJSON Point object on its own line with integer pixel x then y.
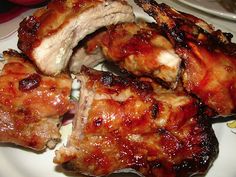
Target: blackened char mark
{"type": "Point", "coordinates": [29, 83]}
{"type": "Point", "coordinates": [109, 80]}
{"type": "Point", "coordinates": [155, 110]}
{"type": "Point", "coordinates": [27, 33]}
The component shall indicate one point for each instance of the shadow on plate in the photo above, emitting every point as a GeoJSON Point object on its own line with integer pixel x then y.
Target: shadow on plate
{"type": "Point", "coordinates": [71, 174]}
{"type": "Point", "coordinates": [14, 146]}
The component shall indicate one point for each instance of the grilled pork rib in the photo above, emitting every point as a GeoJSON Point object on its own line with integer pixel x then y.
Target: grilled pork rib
{"type": "Point", "coordinates": [31, 104]}
{"type": "Point", "coordinates": [129, 123]}
{"type": "Point", "coordinates": [209, 56]}
{"type": "Point", "coordinates": [49, 36]}
{"type": "Point", "coordinates": [140, 49]}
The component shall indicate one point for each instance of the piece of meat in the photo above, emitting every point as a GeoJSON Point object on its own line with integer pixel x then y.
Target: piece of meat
{"type": "Point", "coordinates": [124, 122]}
{"type": "Point", "coordinates": [31, 103]}
{"type": "Point", "coordinates": [81, 57]}
{"type": "Point", "coordinates": [49, 36]}
{"type": "Point", "coordinates": [208, 55]}
{"type": "Point", "coordinates": [140, 49]}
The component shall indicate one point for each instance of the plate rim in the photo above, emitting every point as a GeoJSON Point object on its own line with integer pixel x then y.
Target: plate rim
{"type": "Point", "coordinates": [225, 15]}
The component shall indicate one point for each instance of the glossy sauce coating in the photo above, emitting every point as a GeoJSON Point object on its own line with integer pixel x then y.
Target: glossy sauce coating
{"type": "Point", "coordinates": [31, 103]}
{"type": "Point", "coordinates": [132, 123]}
{"type": "Point", "coordinates": [141, 49]}
{"type": "Point", "coordinates": [209, 56]}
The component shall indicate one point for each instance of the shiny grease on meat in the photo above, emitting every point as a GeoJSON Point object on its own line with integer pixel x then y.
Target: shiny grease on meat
{"type": "Point", "coordinates": [209, 56]}
{"type": "Point", "coordinates": [130, 123]}
{"type": "Point", "coordinates": [139, 48]}
{"type": "Point", "coordinates": [31, 104]}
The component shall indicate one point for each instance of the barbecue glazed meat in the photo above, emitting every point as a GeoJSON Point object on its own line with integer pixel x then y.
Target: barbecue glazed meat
{"type": "Point", "coordinates": [209, 56]}
{"type": "Point", "coordinates": [129, 123]}
{"type": "Point", "coordinates": [31, 104]}
{"type": "Point", "coordinates": [140, 49]}
{"type": "Point", "coordinates": [49, 36]}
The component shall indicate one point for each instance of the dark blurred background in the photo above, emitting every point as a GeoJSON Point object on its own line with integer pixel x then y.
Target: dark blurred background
{"type": "Point", "coordinates": [12, 8]}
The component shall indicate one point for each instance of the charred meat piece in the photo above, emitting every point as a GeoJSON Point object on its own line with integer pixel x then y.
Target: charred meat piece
{"type": "Point", "coordinates": [49, 36]}
{"type": "Point", "coordinates": [128, 123]}
{"type": "Point", "coordinates": [140, 49]}
{"type": "Point", "coordinates": [31, 103]}
{"type": "Point", "coordinates": [168, 17]}
{"type": "Point", "coordinates": [208, 55]}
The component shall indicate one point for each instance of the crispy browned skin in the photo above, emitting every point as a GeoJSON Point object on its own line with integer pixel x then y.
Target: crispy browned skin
{"type": "Point", "coordinates": [140, 49]}
{"type": "Point", "coordinates": [31, 103]}
{"type": "Point", "coordinates": [50, 34]}
{"type": "Point", "coordinates": [209, 55]}
{"type": "Point", "coordinates": [128, 123]}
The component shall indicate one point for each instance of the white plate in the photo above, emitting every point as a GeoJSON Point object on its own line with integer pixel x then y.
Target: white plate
{"type": "Point", "coordinates": [212, 7]}
{"type": "Point", "coordinates": [17, 162]}
{"type": "Point", "coordinates": [10, 27]}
